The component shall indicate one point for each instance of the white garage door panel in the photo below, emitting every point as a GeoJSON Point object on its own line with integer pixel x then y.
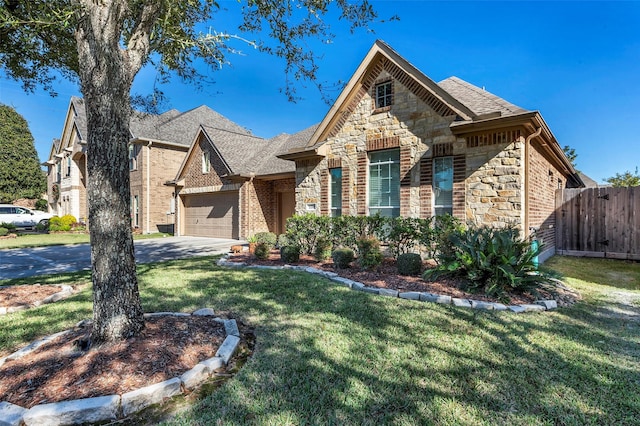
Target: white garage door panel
{"type": "Point", "coordinates": [212, 215]}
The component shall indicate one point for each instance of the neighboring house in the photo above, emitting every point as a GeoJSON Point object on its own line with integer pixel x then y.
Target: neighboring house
{"type": "Point", "coordinates": [588, 182]}
{"type": "Point", "coordinates": [398, 144]}
{"type": "Point", "coordinates": [232, 185]}
{"type": "Point", "coordinates": [156, 151]}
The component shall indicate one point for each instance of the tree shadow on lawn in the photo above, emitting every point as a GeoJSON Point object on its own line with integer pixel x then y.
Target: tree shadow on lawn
{"type": "Point", "coordinates": [326, 354]}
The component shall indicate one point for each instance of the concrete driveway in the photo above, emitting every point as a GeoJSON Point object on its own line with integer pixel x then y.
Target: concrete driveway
{"type": "Point", "coordinates": [20, 263]}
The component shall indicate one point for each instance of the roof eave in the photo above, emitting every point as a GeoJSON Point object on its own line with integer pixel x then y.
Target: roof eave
{"type": "Point", "coordinates": [306, 154]}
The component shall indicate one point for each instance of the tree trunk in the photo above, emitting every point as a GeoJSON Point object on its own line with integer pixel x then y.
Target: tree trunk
{"type": "Point", "coordinates": [105, 79]}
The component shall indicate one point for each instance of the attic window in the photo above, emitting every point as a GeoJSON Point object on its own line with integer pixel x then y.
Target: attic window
{"type": "Point", "coordinates": [383, 94]}
{"type": "Point", "coordinates": [206, 162]}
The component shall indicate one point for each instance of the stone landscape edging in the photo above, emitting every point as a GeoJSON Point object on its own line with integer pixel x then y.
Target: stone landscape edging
{"type": "Point", "coordinates": [537, 306]}
{"type": "Point", "coordinates": [118, 407]}
{"type": "Point", "coordinates": [65, 291]}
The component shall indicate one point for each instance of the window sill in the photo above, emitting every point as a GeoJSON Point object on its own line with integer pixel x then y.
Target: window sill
{"type": "Point", "coordinates": [381, 110]}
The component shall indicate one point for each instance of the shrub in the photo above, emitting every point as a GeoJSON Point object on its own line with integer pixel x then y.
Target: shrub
{"type": "Point", "coordinates": [342, 257]}
{"type": "Point", "coordinates": [402, 234]}
{"type": "Point", "coordinates": [43, 226]}
{"type": "Point", "coordinates": [3, 231]}
{"type": "Point", "coordinates": [409, 264]}
{"type": "Point", "coordinates": [446, 229]}
{"type": "Point", "coordinates": [323, 249]}
{"type": "Point", "coordinates": [369, 254]}
{"type": "Point", "coordinates": [283, 241]}
{"type": "Point", "coordinates": [304, 231]}
{"type": "Point", "coordinates": [8, 226]}
{"type": "Point", "coordinates": [290, 254]}
{"type": "Point", "coordinates": [262, 251]}
{"type": "Point", "coordinates": [268, 238]}
{"type": "Point", "coordinates": [42, 205]}
{"type": "Point", "coordinates": [61, 223]}
{"type": "Point", "coordinates": [494, 261]}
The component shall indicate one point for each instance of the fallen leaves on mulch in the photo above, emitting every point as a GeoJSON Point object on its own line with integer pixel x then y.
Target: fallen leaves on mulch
{"type": "Point", "coordinates": [387, 276]}
{"type": "Point", "coordinates": [59, 371]}
{"type": "Point", "coordinates": [19, 295]}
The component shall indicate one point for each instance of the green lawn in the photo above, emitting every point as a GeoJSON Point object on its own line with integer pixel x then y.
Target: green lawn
{"type": "Point", "coordinates": [328, 355]}
{"type": "Point", "coordinates": [38, 240]}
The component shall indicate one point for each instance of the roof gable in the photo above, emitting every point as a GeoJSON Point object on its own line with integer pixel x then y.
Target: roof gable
{"type": "Point", "coordinates": [381, 57]}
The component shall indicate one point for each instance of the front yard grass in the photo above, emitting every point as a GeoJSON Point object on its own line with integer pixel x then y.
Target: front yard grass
{"type": "Point", "coordinates": [328, 355]}
{"type": "Point", "coordinates": [40, 240]}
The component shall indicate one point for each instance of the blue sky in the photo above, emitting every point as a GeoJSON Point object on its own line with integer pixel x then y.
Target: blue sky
{"type": "Point", "coordinates": [578, 63]}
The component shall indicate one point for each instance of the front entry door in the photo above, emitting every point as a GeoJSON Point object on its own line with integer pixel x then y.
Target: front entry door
{"type": "Point", "coordinates": [286, 209]}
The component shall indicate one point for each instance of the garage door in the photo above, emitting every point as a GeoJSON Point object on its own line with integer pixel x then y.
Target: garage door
{"type": "Point", "coordinates": [212, 215]}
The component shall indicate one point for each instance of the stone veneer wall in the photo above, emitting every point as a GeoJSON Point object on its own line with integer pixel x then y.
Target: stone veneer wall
{"type": "Point", "coordinates": [409, 124]}
{"type": "Point", "coordinates": [495, 183]}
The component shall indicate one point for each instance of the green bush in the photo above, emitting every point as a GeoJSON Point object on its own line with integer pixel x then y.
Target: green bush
{"type": "Point", "coordinates": [268, 238]}
{"type": "Point", "coordinates": [290, 254]}
{"type": "Point", "coordinates": [409, 264]}
{"type": "Point", "coordinates": [342, 257]}
{"type": "Point", "coordinates": [283, 241]}
{"type": "Point", "coordinates": [402, 234]}
{"type": "Point", "coordinates": [323, 249]}
{"type": "Point", "coordinates": [369, 254]}
{"type": "Point", "coordinates": [262, 251]}
{"type": "Point", "coordinates": [42, 205]}
{"type": "Point", "coordinates": [493, 261]}
{"type": "Point", "coordinates": [8, 226]}
{"type": "Point", "coordinates": [446, 229]}
{"type": "Point", "coordinates": [304, 231]}
{"type": "Point", "coordinates": [63, 223]}
{"type": "Point", "coordinates": [3, 231]}
{"type": "Point", "coordinates": [42, 226]}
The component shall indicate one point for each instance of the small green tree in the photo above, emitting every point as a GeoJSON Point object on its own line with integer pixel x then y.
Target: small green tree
{"type": "Point", "coordinates": [571, 155]}
{"type": "Point", "coordinates": [626, 179]}
{"type": "Point", "coordinates": [20, 173]}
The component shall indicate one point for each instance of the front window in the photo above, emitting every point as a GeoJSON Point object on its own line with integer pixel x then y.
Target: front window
{"type": "Point", "coordinates": [443, 185]}
{"type": "Point", "coordinates": [68, 173]}
{"type": "Point", "coordinates": [206, 162]}
{"type": "Point", "coordinates": [384, 94]}
{"type": "Point", "coordinates": [336, 191]}
{"type": "Point", "coordinates": [384, 183]}
{"type": "Point", "coordinates": [135, 211]}
{"type": "Point", "coordinates": [58, 172]}
{"type": "Point", "coordinates": [133, 156]}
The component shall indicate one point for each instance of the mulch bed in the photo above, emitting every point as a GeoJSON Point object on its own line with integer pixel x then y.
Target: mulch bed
{"type": "Point", "coordinates": [26, 295]}
{"type": "Point", "coordinates": [387, 276]}
{"type": "Point", "coordinates": [60, 371]}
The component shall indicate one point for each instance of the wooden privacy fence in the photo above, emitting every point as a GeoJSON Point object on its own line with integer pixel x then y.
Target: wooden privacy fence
{"type": "Point", "coordinates": [598, 222]}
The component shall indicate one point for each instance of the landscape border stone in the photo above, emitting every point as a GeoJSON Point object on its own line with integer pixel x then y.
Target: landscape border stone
{"type": "Point", "coordinates": [118, 407]}
{"type": "Point", "coordinates": [537, 306]}
{"type": "Point", "coordinates": [65, 291]}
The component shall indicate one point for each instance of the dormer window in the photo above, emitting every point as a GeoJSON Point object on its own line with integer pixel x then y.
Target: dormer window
{"type": "Point", "coordinates": [383, 94]}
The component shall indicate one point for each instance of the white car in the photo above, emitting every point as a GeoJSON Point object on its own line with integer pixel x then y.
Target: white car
{"type": "Point", "coordinates": [22, 217]}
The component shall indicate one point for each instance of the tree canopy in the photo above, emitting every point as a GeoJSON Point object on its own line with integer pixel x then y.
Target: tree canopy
{"type": "Point", "coordinates": [571, 155]}
{"type": "Point", "coordinates": [20, 173]}
{"type": "Point", "coordinates": [626, 179]}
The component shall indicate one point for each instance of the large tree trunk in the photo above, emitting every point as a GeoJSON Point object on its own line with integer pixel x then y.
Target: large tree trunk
{"type": "Point", "coordinates": [105, 79]}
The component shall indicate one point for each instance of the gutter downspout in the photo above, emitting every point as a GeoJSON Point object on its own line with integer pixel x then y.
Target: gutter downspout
{"type": "Point", "coordinates": [527, 148]}
{"type": "Point", "coordinates": [148, 189]}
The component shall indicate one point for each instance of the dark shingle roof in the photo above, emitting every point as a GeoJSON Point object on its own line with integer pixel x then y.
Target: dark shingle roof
{"type": "Point", "coordinates": [235, 148]}
{"type": "Point", "coordinates": [270, 164]}
{"type": "Point", "coordinates": [478, 100]}
{"type": "Point", "coordinates": [171, 126]}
